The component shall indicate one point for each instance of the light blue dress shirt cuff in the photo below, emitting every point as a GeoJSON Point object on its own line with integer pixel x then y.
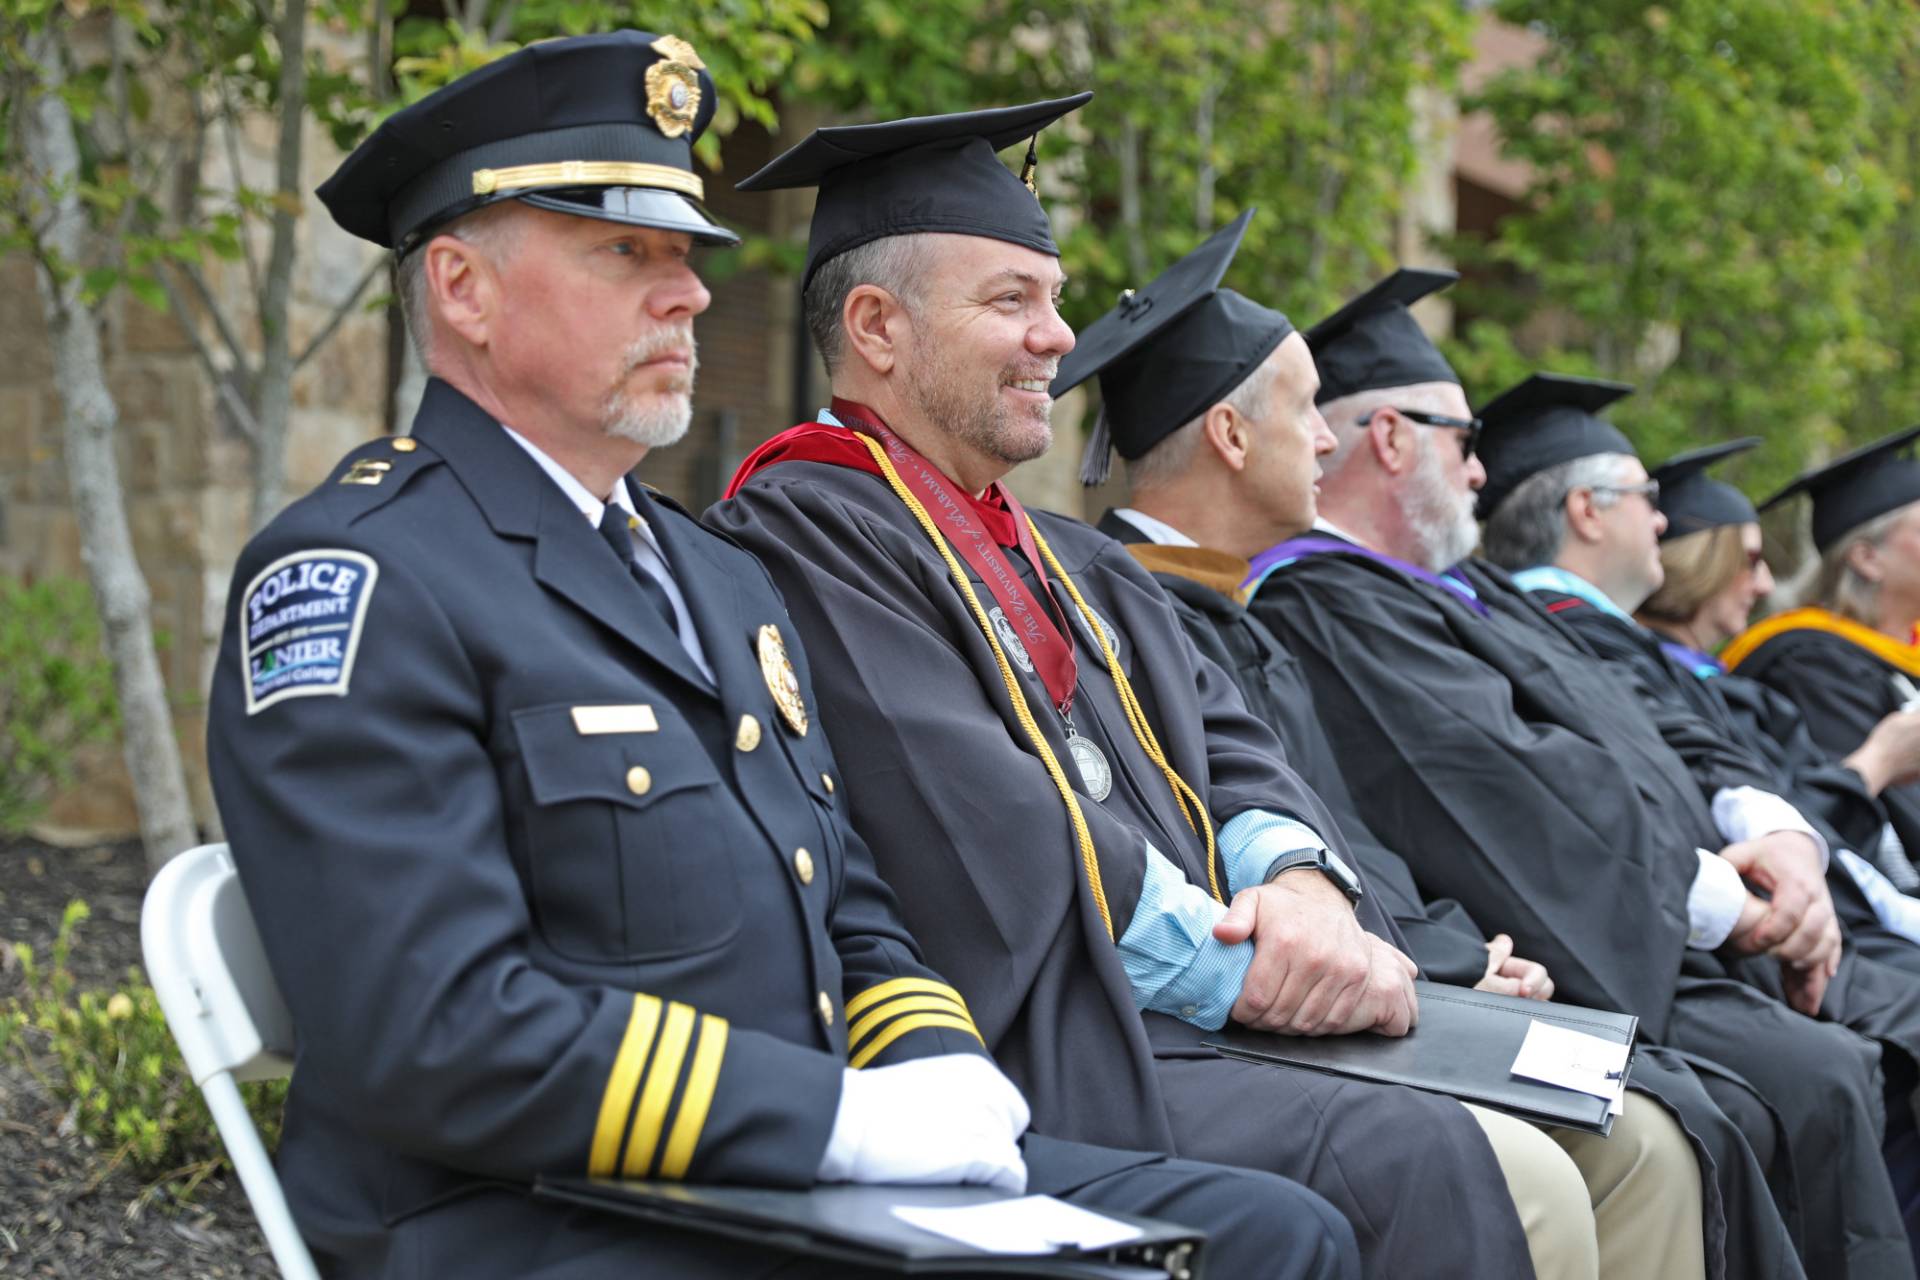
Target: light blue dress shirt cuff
{"type": "Point", "coordinates": [1747, 813]}
{"type": "Point", "coordinates": [1250, 842]}
{"type": "Point", "coordinates": [1172, 960]}
{"type": "Point", "coordinates": [1714, 902]}
{"type": "Point", "coordinates": [1896, 910]}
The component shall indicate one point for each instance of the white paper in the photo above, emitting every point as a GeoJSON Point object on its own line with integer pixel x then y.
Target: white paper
{"type": "Point", "coordinates": [1572, 1060]}
{"type": "Point", "coordinates": [1028, 1224]}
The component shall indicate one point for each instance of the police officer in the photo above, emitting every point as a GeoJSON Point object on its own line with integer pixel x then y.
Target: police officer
{"type": "Point", "coordinates": [519, 769]}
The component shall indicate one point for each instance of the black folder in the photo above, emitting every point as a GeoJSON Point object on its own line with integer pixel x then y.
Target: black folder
{"type": "Point", "coordinates": [855, 1224]}
{"type": "Point", "coordinates": [1464, 1046]}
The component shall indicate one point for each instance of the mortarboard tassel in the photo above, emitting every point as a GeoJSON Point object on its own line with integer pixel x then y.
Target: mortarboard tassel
{"type": "Point", "coordinates": [1097, 462]}
{"type": "Point", "coordinates": [1032, 162]}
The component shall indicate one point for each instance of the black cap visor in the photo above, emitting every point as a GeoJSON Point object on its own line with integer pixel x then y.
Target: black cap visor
{"type": "Point", "coordinates": [635, 207]}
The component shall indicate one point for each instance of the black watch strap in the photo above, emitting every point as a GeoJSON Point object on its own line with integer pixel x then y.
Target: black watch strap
{"type": "Point", "coordinates": [1324, 861]}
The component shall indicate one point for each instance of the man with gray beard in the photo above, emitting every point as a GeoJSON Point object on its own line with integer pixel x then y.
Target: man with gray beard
{"type": "Point", "coordinates": [1523, 778]}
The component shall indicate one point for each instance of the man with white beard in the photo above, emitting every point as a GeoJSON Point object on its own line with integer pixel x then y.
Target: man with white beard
{"type": "Point", "coordinates": [1523, 778]}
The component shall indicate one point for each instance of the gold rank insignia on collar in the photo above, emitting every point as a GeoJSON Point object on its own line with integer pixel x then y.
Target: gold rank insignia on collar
{"type": "Point", "coordinates": [777, 670]}
{"type": "Point", "coordinates": [367, 471]}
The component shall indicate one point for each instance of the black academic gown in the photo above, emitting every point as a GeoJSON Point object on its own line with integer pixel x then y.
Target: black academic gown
{"type": "Point", "coordinates": [968, 829]}
{"type": "Point", "coordinates": [1833, 797]}
{"type": "Point", "coordinates": [1843, 691]}
{"type": "Point", "coordinates": [1746, 1230]}
{"type": "Point", "coordinates": [1522, 778]}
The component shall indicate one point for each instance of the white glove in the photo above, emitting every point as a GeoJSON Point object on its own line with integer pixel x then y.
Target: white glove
{"type": "Point", "coordinates": [949, 1119]}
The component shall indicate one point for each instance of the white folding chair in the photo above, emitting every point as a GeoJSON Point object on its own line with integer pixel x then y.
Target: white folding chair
{"type": "Point", "coordinates": [206, 964]}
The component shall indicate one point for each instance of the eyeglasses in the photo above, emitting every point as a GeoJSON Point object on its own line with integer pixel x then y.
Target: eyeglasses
{"type": "Point", "coordinates": [1471, 426]}
{"type": "Point", "coordinates": [1650, 490]}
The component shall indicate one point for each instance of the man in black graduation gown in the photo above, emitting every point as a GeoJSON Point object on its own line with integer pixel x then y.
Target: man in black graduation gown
{"type": "Point", "coordinates": [512, 757]}
{"type": "Point", "coordinates": [1042, 762]}
{"type": "Point", "coordinates": [1581, 535]}
{"type": "Point", "coordinates": [1848, 658]}
{"type": "Point", "coordinates": [1525, 779]}
{"type": "Point", "coordinates": [1221, 455]}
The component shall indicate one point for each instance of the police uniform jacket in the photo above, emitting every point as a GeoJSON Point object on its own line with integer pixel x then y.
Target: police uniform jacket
{"type": "Point", "coordinates": [541, 897]}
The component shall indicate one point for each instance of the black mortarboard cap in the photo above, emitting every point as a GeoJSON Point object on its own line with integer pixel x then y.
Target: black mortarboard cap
{"type": "Point", "coordinates": [926, 173]}
{"type": "Point", "coordinates": [1374, 341]}
{"type": "Point", "coordinates": [1169, 351]}
{"type": "Point", "coordinates": [1549, 419]}
{"type": "Point", "coordinates": [1850, 491]}
{"type": "Point", "coordinates": [602, 126]}
{"type": "Point", "coordinates": [1694, 501]}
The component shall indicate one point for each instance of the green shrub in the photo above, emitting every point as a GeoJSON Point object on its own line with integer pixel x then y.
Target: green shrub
{"type": "Point", "coordinates": [56, 690]}
{"type": "Point", "coordinates": [109, 1057]}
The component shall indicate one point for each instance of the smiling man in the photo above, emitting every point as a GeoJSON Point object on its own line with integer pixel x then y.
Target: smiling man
{"type": "Point", "coordinates": [1087, 831]}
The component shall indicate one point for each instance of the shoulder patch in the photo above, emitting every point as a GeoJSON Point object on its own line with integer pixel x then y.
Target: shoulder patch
{"type": "Point", "coordinates": [302, 616]}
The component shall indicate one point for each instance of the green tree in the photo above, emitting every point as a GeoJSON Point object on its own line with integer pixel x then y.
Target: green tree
{"type": "Point", "coordinates": [1200, 109]}
{"type": "Point", "coordinates": [1709, 191]}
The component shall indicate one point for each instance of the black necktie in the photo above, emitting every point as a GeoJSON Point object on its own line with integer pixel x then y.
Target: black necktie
{"type": "Point", "coordinates": [614, 527]}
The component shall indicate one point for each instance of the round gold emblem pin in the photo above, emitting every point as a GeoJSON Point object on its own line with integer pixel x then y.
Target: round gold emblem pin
{"type": "Point", "coordinates": [777, 670]}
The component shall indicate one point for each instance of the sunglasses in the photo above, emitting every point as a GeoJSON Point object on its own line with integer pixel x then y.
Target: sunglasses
{"type": "Point", "coordinates": [1650, 490]}
{"type": "Point", "coordinates": [1470, 426]}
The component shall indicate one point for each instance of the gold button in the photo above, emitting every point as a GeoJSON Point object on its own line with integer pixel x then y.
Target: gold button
{"type": "Point", "coordinates": [748, 736]}
{"type": "Point", "coordinates": [803, 865]}
{"type": "Point", "coordinates": [826, 1009]}
{"type": "Point", "coordinates": [826, 780]}
{"type": "Point", "coordinates": [405, 444]}
{"type": "Point", "coordinates": [639, 781]}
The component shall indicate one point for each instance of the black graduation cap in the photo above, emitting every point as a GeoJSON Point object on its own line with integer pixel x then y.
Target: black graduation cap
{"type": "Point", "coordinates": [1545, 421]}
{"type": "Point", "coordinates": [926, 173]}
{"type": "Point", "coordinates": [1693, 501]}
{"type": "Point", "coordinates": [1169, 350]}
{"type": "Point", "coordinates": [1848, 492]}
{"type": "Point", "coordinates": [1374, 341]}
{"type": "Point", "coordinates": [602, 126]}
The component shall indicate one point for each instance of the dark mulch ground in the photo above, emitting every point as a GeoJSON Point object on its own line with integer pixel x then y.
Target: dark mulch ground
{"type": "Point", "coordinates": [59, 1216]}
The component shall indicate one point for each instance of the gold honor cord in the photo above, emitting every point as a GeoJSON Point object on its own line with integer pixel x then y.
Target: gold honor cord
{"type": "Point", "coordinates": [1015, 694]}
{"type": "Point", "coordinates": [1196, 817]}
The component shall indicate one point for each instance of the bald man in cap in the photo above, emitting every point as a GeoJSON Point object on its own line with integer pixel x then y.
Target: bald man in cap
{"type": "Point", "coordinates": [514, 761]}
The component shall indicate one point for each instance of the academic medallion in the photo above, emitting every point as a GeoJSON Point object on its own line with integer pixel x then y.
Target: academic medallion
{"type": "Point", "coordinates": [1095, 772]}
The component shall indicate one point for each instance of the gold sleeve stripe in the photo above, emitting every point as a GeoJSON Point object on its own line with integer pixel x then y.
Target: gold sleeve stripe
{"type": "Point", "coordinates": [900, 986]}
{"type": "Point", "coordinates": [913, 1022]}
{"type": "Point", "coordinates": [618, 1098]}
{"type": "Point", "coordinates": [697, 1097]}
{"type": "Point", "coordinates": [662, 1074]}
{"type": "Point", "coordinates": [903, 1004]}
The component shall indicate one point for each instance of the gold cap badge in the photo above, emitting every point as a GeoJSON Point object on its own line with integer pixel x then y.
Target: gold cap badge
{"type": "Point", "coordinates": [673, 86]}
{"type": "Point", "coordinates": [777, 670]}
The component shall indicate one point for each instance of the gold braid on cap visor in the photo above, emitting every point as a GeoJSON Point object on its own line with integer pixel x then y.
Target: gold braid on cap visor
{"type": "Point", "coordinates": [589, 173]}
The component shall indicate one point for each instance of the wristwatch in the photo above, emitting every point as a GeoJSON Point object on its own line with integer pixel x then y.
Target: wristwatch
{"type": "Point", "coordinates": [1326, 861]}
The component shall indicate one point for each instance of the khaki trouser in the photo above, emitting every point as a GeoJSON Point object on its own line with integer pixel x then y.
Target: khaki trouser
{"type": "Point", "coordinates": [1624, 1206]}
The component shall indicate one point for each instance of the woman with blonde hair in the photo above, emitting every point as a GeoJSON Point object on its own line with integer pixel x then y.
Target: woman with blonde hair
{"type": "Point", "coordinates": [1822, 683]}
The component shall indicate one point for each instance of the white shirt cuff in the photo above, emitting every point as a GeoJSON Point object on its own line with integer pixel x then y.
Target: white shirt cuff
{"type": "Point", "coordinates": [1714, 902]}
{"type": "Point", "coordinates": [1747, 813]}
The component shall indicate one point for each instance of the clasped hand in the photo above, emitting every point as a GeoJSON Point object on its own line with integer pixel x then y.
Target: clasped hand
{"type": "Point", "coordinates": [1315, 971]}
{"type": "Point", "coordinates": [1795, 922]}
